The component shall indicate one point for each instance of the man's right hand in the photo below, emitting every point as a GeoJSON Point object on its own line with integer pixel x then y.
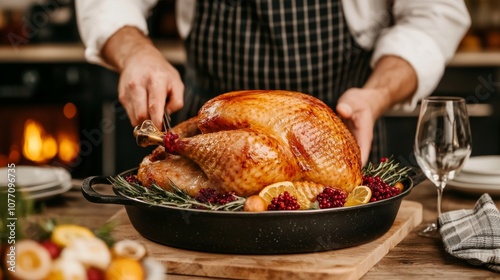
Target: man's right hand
{"type": "Point", "coordinates": [148, 83]}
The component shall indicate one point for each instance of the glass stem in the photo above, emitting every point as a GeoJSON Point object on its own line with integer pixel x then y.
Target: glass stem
{"type": "Point", "coordinates": [440, 189]}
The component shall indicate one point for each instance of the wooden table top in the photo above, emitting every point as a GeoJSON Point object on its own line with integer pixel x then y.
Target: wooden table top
{"type": "Point", "coordinates": [415, 257]}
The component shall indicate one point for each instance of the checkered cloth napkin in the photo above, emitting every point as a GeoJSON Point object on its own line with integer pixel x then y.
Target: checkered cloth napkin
{"type": "Point", "coordinates": [474, 234]}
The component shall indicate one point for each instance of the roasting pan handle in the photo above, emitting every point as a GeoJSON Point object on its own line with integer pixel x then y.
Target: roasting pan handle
{"type": "Point", "coordinates": [91, 195]}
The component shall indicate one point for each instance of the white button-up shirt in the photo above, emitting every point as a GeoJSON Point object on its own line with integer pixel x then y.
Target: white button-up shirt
{"type": "Point", "coordinates": [425, 33]}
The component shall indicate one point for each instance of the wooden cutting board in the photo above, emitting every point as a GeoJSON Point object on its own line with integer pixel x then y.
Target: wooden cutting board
{"type": "Point", "coordinates": [349, 263]}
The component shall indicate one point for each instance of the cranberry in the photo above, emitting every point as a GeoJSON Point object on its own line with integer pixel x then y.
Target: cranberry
{"type": "Point", "coordinates": [207, 196]}
{"type": "Point", "coordinates": [132, 179]}
{"type": "Point", "coordinates": [211, 196]}
{"type": "Point", "coordinates": [380, 189]}
{"type": "Point", "coordinates": [94, 274]}
{"type": "Point", "coordinates": [284, 201]}
{"type": "Point", "coordinates": [53, 249]}
{"type": "Point", "coordinates": [225, 198]}
{"type": "Point", "coordinates": [170, 143]}
{"type": "Point", "coordinates": [331, 198]}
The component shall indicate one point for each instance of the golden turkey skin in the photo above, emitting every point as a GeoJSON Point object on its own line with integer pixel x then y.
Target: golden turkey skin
{"type": "Point", "coordinates": [161, 167]}
{"type": "Point", "coordinates": [249, 139]}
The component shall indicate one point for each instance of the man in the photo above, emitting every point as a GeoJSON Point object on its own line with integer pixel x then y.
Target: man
{"type": "Point", "coordinates": [360, 57]}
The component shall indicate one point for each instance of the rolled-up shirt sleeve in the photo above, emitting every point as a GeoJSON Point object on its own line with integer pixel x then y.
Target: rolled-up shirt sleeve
{"type": "Point", "coordinates": [98, 20]}
{"type": "Point", "coordinates": [426, 34]}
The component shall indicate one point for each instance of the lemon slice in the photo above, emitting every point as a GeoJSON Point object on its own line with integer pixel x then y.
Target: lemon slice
{"type": "Point", "coordinates": [63, 235]}
{"type": "Point", "coordinates": [274, 190]}
{"type": "Point", "coordinates": [359, 195]}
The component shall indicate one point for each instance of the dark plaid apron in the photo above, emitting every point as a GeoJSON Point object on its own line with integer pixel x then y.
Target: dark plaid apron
{"type": "Point", "coordinates": [295, 45]}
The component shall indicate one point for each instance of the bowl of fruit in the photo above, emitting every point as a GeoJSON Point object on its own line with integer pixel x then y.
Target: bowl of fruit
{"type": "Point", "coordinates": [71, 251]}
{"type": "Point", "coordinates": [282, 218]}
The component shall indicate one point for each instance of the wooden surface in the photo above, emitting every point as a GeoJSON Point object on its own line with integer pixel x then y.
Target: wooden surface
{"type": "Point", "coordinates": [414, 257]}
{"type": "Point", "coordinates": [349, 263]}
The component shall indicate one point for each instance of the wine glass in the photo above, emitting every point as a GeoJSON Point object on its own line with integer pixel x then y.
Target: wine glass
{"type": "Point", "coordinates": [442, 145]}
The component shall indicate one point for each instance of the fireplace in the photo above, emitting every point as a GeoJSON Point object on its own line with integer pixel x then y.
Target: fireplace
{"type": "Point", "coordinates": [48, 114]}
{"type": "Point", "coordinates": [39, 134]}
{"type": "Point", "coordinates": [65, 114]}
{"type": "Point", "coordinates": [57, 109]}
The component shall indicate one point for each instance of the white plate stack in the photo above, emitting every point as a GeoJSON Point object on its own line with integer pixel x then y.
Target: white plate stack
{"type": "Point", "coordinates": [480, 174]}
{"type": "Point", "coordinates": [37, 182]}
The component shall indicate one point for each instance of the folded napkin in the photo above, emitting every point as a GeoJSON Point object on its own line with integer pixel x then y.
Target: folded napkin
{"type": "Point", "coordinates": [474, 234]}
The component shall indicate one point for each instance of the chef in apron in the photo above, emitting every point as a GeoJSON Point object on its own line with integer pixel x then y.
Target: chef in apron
{"type": "Point", "coordinates": [303, 46]}
{"type": "Point", "coordinates": [235, 45]}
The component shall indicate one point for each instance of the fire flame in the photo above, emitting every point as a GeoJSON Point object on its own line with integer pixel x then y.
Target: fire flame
{"type": "Point", "coordinates": [40, 147]}
{"type": "Point", "coordinates": [68, 148]}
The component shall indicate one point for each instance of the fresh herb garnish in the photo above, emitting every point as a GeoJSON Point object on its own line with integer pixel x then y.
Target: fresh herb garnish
{"type": "Point", "coordinates": [176, 197]}
{"type": "Point", "coordinates": [388, 170]}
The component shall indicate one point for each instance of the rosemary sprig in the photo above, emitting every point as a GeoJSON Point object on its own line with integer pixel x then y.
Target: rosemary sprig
{"type": "Point", "coordinates": [388, 170]}
{"type": "Point", "coordinates": [176, 197]}
{"type": "Point", "coordinates": [104, 232]}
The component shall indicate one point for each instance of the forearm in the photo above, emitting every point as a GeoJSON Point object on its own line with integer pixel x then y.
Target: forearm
{"type": "Point", "coordinates": [98, 20]}
{"type": "Point", "coordinates": [427, 39]}
{"type": "Point", "coordinates": [396, 81]}
{"type": "Point", "coordinates": [126, 42]}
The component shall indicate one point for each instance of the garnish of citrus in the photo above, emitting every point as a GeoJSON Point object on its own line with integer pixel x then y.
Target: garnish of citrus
{"type": "Point", "coordinates": [359, 195]}
{"type": "Point", "coordinates": [125, 268]}
{"type": "Point", "coordinates": [65, 234]}
{"type": "Point", "coordinates": [274, 190]}
{"type": "Point", "coordinates": [33, 261]}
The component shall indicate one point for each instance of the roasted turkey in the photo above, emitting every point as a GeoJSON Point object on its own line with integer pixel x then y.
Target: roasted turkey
{"type": "Point", "coordinates": [245, 140]}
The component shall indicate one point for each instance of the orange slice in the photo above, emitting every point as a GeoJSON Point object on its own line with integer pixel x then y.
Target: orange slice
{"type": "Point", "coordinates": [33, 261]}
{"type": "Point", "coordinates": [125, 268]}
{"type": "Point", "coordinates": [274, 190]}
{"type": "Point", "coordinates": [359, 195]}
